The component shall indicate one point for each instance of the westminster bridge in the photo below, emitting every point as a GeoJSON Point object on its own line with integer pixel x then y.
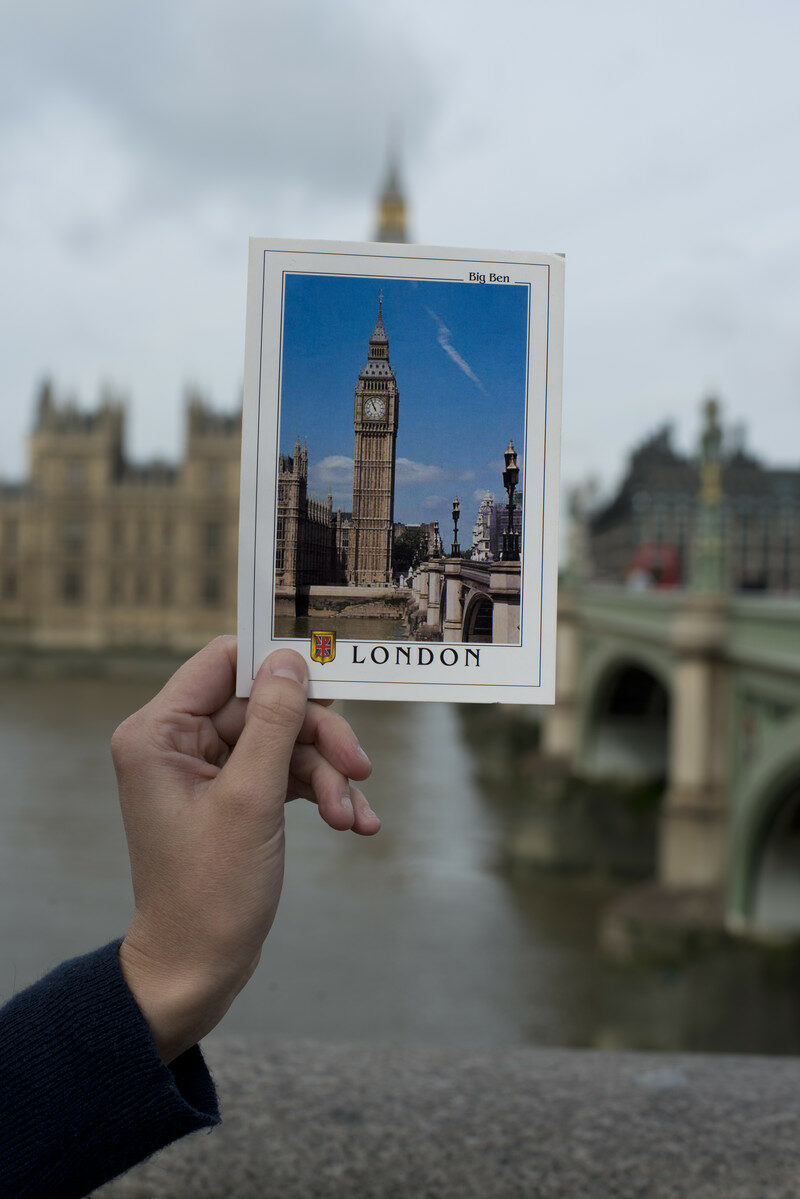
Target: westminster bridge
{"type": "Point", "coordinates": [702, 692]}
{"type": "Point", "coordinates": [461, 600]}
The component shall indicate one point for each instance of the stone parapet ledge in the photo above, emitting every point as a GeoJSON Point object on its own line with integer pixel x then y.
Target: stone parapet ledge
{"type": "Point", "coordinates": [304, 1120]}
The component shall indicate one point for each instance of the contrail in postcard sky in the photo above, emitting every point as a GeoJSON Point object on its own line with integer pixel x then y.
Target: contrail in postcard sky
{"type": "Point", "coordinates": [452, 352]}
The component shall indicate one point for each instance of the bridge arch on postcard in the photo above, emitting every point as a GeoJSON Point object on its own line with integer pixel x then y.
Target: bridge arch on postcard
{"type": "Point", "coordinates": [478, 621]}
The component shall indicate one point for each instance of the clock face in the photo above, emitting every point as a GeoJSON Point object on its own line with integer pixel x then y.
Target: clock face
{"type": "Point", "coordinates": [374, 409]}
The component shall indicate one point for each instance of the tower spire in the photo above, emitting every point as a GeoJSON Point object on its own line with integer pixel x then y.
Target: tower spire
{"type": "Point", "coordinates": [391, 223]}
{"type": "Point", "coordinates": [379, 332]}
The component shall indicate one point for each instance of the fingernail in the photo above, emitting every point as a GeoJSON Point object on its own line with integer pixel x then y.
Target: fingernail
{"type": "Point", "coordinates": [369, 812]}
{"type": "Point", "coordinates": [289, 666]}
{"type": "Point", "coordinates": [361, 754]}
{"type": "Point", "coordinates": [347, 803]}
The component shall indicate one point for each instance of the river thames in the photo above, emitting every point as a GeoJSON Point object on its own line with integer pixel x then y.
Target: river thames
{"type": "Point", "coordinates": [416, 935]}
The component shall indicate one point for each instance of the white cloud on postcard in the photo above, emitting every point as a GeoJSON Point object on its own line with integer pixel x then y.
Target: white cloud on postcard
{"type": "Point", "coordinates": [408, 471]}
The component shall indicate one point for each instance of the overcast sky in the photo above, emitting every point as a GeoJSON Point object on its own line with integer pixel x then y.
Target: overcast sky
{"type": "Point", "coordinates": [655, 144]}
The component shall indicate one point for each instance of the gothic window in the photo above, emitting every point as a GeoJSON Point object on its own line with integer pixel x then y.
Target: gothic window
{"type": "Point", "coordinates": [76, 473]}
{"type": "Point", "coordinates": [10, 586]}
{"type": "Point", "coordinates": [71, 587]}
{"type": "Point", "coordinates": [281, 534]}
{"type": "Point", "coordinates": [74, 536]}
{"type": "Point", "coordinates": [744, 527]}
{"type": "Point", "coordinates": [143, 535]}
{"type": "Point", "coordinates": [166, 590]}
{"type": "Point", "coordinates": [11, 536]}
{"type": "Point", "coordinates": [212, 537]}
{"type": "Point", "coordinates": [166, 532]}
{"type": "Point", "coordinates": [142, 591]}
{"type": "Point", "coordinates": [659, 525]}
{"type": "Point", "coordinates": [117, 533]}
{"type": "Point", "coordinates": [211, 590]}
{"type": "Point", "coordinates": [114, 587]}
{"type": "Point", "coordinates": [279, 559]}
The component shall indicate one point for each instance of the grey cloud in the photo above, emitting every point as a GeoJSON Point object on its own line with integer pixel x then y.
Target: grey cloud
{"type": "Point", "coordinates": [139, 144]}
{"type": "Point", "coordinates": [261, 97]}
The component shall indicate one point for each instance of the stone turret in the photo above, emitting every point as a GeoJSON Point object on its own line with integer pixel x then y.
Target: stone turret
{"type": "Point", "coordinates": [76, 449]}
{"type": "Point", "coordinates": [213, 448]}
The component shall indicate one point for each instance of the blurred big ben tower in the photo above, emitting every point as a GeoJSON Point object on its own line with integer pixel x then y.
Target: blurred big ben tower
{"type": "Point", "coordinates": [391, 225]}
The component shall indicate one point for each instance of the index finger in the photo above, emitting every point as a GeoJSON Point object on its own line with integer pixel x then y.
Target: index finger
{"type": "Point", "coordinates": [204, 683]}
{"type": "Point", "coordinates": [335, 740]}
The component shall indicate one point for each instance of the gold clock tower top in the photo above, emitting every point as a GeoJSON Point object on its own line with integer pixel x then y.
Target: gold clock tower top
{"type": "Point", "coordinates": [392, 207]}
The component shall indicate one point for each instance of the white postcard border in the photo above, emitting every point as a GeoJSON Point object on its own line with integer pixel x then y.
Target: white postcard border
{"type": "Point", "coordinates": [531, 664]}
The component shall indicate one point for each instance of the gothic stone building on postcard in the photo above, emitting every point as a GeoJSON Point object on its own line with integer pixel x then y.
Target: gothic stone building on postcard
{"type": "Point", "coordinates": [314, 544]}
{"type": "Point", "coordinates": [311, 540]}
{"type": "Point", "coordinates": [98, 552]}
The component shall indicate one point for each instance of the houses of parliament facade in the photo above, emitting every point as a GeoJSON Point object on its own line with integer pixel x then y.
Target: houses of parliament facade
{"type": "Point", "coordinates": [96, 552]}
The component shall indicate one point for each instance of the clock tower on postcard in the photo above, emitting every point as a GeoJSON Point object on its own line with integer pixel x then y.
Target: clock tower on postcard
{"type": "Point", "coordinates": [375, 420]}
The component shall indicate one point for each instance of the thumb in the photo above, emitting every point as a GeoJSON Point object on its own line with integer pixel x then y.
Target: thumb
{"type": "Point", "coordinates": [258, 768]}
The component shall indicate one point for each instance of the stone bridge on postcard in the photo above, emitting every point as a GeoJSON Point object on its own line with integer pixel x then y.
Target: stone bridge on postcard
{"type": "Point", "coordinates": [701, 693]}
{"type": "Point", "coordinates": [456, 599]}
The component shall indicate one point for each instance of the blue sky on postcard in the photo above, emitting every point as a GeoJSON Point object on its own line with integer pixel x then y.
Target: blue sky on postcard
{"type": "Point", "coordinates": [459, 354]}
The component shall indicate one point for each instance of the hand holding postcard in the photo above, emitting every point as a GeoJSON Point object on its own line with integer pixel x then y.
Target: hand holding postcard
{"type": "Point", "coordinates": [400, 453]}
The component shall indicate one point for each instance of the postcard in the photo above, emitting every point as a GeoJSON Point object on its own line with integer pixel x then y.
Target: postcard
{"type": "Point", "coordinates": [400, 460]}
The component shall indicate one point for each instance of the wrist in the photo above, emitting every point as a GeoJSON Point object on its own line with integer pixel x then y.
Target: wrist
{"type": "Point", "coordinates": [180, 1006]}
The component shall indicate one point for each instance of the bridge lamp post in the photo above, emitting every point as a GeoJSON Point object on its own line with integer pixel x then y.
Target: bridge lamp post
{"type": "Point", "coordinates": [510, 551]}
{"type": "Point", "coordinates": [455, 548]}
{"type": "Point", "coordinates": [437, 541]}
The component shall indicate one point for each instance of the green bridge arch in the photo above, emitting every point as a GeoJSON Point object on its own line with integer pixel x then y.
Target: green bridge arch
{"type": "Point", "coordinates": [764, 795]}
{"type": "Point", "coordinates": [600, 745]}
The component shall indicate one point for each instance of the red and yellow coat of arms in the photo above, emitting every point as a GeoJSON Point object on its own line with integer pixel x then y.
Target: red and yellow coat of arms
{"type": "Point", "coordinates": [323, 647]}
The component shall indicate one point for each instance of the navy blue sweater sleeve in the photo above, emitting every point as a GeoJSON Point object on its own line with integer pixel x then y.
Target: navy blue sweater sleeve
{"type": "Point", "coordinates": [83, 1092]}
